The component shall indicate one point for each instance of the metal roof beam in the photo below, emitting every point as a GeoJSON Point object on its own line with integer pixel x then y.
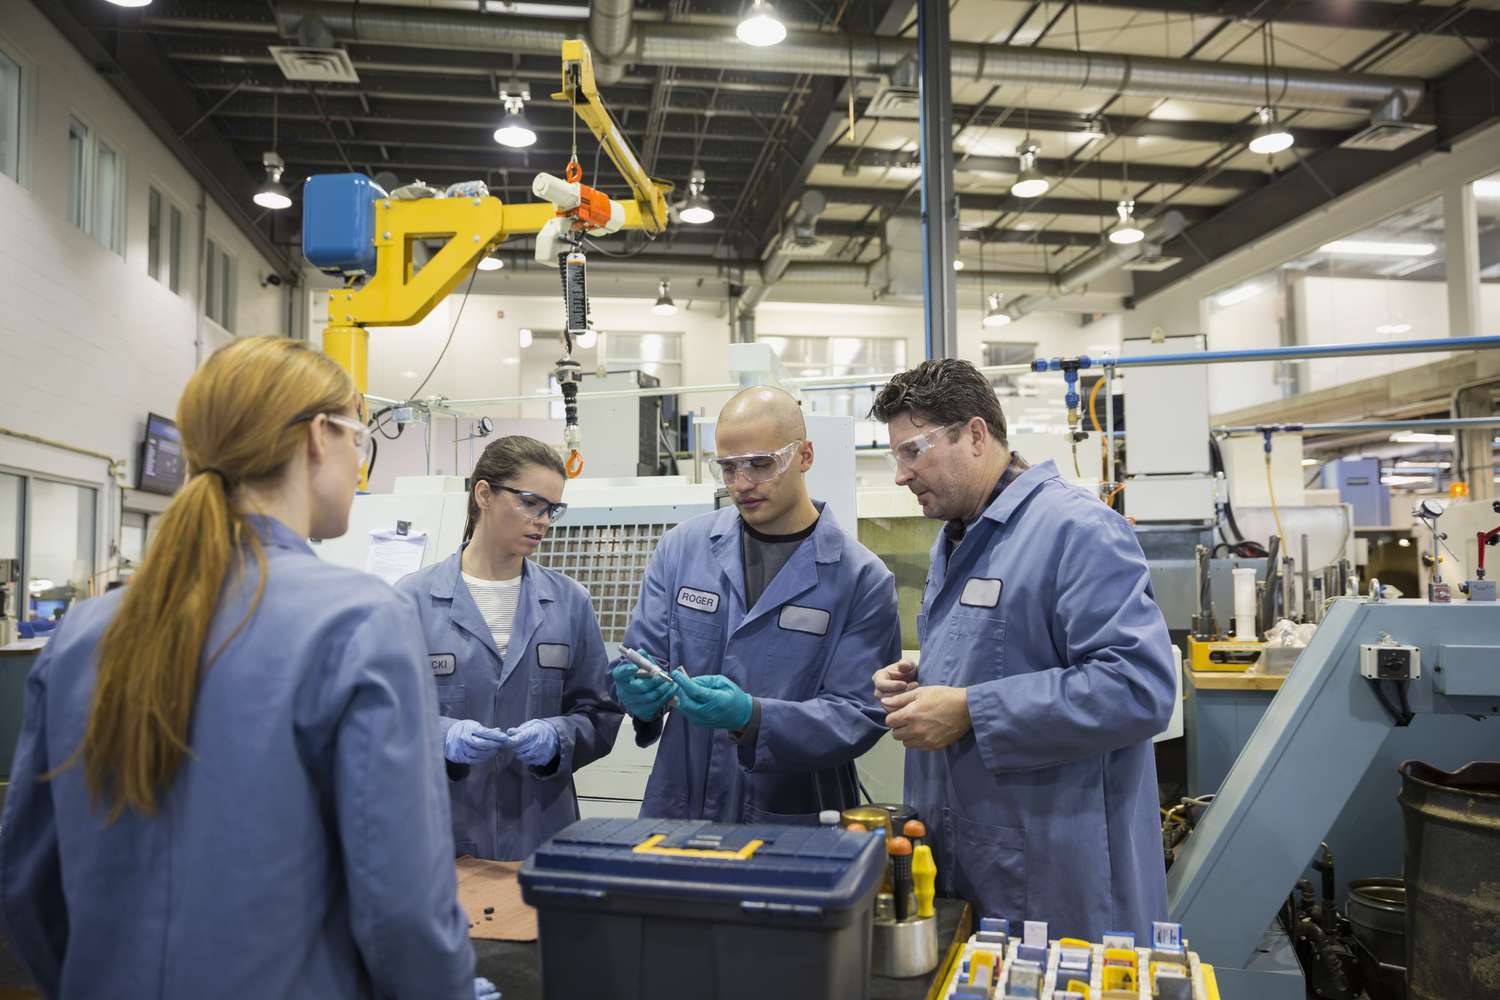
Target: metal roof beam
{"type": "Point", "coordinates": [1422, 20]}
{"type": "Point", "coordinates": [968, 201]}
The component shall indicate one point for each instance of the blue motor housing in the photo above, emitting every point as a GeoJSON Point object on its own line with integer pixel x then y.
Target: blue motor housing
{"type": "Point", "coordinates": [338, 222]}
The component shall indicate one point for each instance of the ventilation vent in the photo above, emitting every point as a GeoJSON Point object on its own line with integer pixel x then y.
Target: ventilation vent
{"type": "Point", "coordinates": [805, 248]}
{"type": "Point", "coordinates": [1152, 262]}
{"type": "Point", "coordinates": [1386, 135]}
{"type": "Point", "coordinates": [895, 100]}
{"type": "Point", "coordinates": [307, 64]}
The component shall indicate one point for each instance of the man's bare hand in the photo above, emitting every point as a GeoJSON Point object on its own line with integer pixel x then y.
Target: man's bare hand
{"type": "Point", "coordinates": [928, 718]}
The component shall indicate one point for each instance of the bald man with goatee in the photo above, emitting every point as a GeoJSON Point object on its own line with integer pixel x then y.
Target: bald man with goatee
{"type": "Point", "coordinates": [769, 620]}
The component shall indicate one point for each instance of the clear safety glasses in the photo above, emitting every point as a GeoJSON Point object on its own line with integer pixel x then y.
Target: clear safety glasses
{"type": "Point", "coordinates": [911, 451]}
{"type": "Point", "coordinates": [757, 467]}
{"type": "Point", "coordinates": [533, 505]}
{"type": "Point", "coordinates": [360, 431]}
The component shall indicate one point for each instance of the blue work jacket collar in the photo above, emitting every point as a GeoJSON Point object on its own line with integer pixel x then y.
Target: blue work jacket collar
{"type": "Point", "coordinates": [793, 579]}
{"type": "Point", "coordinates": [275, 534]}
{"type": "Point", "coordinates": [537, 590]}
{"type": "Point", "coordinates": [1011, 498]}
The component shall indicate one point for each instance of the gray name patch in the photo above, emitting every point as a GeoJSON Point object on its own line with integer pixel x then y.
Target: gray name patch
{"type": "Point", "coordinates": [698, 600]}
{"type": "Point", "coordinates": [443, 664]}
{"type": "Point", "coordinates": [811, 620]}
{"type": "Point", "coordinates": [981, 593]}
{"type": "Point", "coordinates": [554, 655]}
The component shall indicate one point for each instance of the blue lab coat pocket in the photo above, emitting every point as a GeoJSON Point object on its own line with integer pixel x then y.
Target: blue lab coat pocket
{"type": "Point", "coordinates": [988, 865]}
{"type": "Point", "coordinates": [453, 701]}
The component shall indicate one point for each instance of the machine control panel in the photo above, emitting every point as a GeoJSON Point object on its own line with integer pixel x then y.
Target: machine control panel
{"type": "Point", "coordinates": [1389, 661]}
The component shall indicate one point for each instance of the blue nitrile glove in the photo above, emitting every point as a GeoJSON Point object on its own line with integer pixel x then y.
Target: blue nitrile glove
{"type": "Point", "coordinates": [645, 698]}
{"type": "Point", "coordinates": [534, 742]}
{"type": "Point", "coordinates": [713, 701]}
{"type": "Point", "coordinates": [467, 742]}
{"type": "Point", "coordinates": [485, 990]}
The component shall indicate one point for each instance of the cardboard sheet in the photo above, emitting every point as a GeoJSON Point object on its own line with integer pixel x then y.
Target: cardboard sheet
{"type": "Point", "coordinates": [484, 884]}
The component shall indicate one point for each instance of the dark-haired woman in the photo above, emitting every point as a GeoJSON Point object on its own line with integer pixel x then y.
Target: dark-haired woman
{"type": "Point", "coordinates": [523, 684]}
{"type": "Point", "coordinates": [225, 785]}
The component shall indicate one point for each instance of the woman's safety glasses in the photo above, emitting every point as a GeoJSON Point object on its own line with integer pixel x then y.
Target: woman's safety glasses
{"type": "Point", "coordinates": [757, 467]}
{"type": "Point", "coordinates": [533, 505]}
{"type": "Point", "coordinates": [911, 451]}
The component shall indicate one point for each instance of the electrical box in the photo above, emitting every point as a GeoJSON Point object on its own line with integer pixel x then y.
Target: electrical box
{"type": "Point", "coordinates": [1390, 662]}
{"type": "Point", "coordinates": [1359, 484]}
{"type": "Point", "coordinates": [338, 222]}
{"type": "Point", "coordinates": [621, 435]}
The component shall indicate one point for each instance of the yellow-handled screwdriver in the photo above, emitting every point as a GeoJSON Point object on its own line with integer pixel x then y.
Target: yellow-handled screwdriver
{"type": "Point", "coordinates": [924, 879]}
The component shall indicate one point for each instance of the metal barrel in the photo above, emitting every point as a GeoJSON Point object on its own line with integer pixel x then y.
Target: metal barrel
{"type": "Point", "coordinates": [1377, 916]}
{"type": "Point", "coordinates": [1452, 880]}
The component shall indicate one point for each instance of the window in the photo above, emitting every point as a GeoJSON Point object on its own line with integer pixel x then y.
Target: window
{"type": "Point", "coordinates": [96, 187]}
{"type": "Point", "coordinates": [79, 170]}
{"type": "Point", "coordinates": [132, 538]}
{"type": "Point", "coordinates": [10, 118]}
{"type": "Point", "coordinates": [1007, 352]}
{"type": "Point", "coordinates": [811, 357]}
{"type": "Point", "coordinates": [658, 354]}
{"type": "Point", "coordinates": [12, 518]}
{"type": "Point", "coordinates": [164, 241]}
{"type": "Point", "coordinates": [59, 546]}
{"type": "Point", "coordinates": [109, 198]}
{"type": "Point", "coordinates": [218, 304]}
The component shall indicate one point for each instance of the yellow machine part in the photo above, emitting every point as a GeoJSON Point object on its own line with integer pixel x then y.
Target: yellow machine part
{"type": "Point", "coordinates": [1224, 656]}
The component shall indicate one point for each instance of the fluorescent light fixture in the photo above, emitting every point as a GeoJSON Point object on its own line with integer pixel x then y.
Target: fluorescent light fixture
{"type": "Point", "coordinates": [1270, 137]}
{"type": "Point", "coordinates": [272, 194]}
{"type": "Point", "coordinates": [1421, 437]}
{"type": "Point", "coordinates": [958, 265]}
{"type": "Point", "coordinates": [524, 337]}
{"type": "Point", "coordinates": [131, 3]}
{"type": "Point", "coordinates": [1378, 248]}
{"type": "Point", "coordinates": [1425, 466]}
{"type": "Point", "coordinates": [1310, 461]}
{"type": "Point", "coordinates": [1405, 480]}
{"type": "Point", "coordinates": [1233, 297]}
{"type": "Point", "coordinates": [490, 263]}
{"type": "Point", "coordinates": [761, 26]}
{"type": "Point", "coordinates": [1388, 328]}
{"type": "Point", "coordinates": [995, 316]}
{"type": "Point", "coordinates": [664, 305]}
{"type": "Point", "coordinates": [1127, 230]}
{"type": "Point", "coordinates": [1030, 182]}
{"type": "Point", "coordinates": [1487, 188]}
{"type": "Point", "coordinates": [696, 210]}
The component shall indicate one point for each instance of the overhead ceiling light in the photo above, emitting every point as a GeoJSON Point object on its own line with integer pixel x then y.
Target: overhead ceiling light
{"type": "Point", "coordinates": [1487, 188]}
{"type": "Point", "coordinates": [1378, 248]}
{"type": "Point", "coordinates": [515, 131]}
{"type": "Point", "coordinates": [1126, 231]}
{"type": "Point", "coordinates": [696, 209]}
{"type": "Point", "coordinates": [1389, 328]}
{"type": "Point", "coordinates": [958, 265]}
{"type": "Point", "coordinates": [1030, 182]}
{"type": "Point", "coordinates": [1270, 137]}
{"type": "Point", "coordinates": [664, 305]}
{"type": "Point", "coordinates": [490, 263]}
{"type": "Point", "coordinates": [525, 337]}
{"type": "Point", "coordinates": [1421, 437]}
{"type": "Point", "coordinates": [131, 3]}
{"type": "Point", "coordinates": [995, 316]}
{"type": "Point", "coordinates": [272, 194]}
{"type": "Point", "coordinates": [1310, 461]}
{"type": "Point", "coordinates": [761, 26]}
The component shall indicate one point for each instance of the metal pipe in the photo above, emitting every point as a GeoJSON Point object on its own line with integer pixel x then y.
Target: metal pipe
{"type": "Point", "coordinates": [1445, 423]}
{"type": "Point", "coordinates": [804, 222]}
{"type": "Point", "coordinates": [939, 196]}
{"type": "Point", "coordinates": [609, 33]}
{"type": "Point", "coordinates": [840, 54]}
{"type": "Point", "coordinates": [1303, 351]}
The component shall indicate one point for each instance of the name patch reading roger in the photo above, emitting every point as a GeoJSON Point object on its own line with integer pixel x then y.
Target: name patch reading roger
{"type": "Point", "coordinates": [698, 600]}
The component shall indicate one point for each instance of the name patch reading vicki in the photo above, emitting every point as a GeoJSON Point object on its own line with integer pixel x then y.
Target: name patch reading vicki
{"type": "Point", "coordinates": [981, 593]}
{"type": "Point", "coordinates": [698, 600]}
{"type": "Point", "coordinates": [443, 664]}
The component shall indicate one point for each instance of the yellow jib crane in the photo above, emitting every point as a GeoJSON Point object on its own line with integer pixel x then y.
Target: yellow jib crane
{"type": "Point", "coordinates": [353, 228]}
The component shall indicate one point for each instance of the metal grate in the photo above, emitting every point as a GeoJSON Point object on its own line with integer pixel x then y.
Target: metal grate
{"type": "Point", "coordinates": [610, 560]}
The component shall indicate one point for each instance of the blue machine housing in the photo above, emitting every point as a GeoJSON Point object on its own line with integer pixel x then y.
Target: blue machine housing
{"type": "Point", "coordinates": [338, 222]}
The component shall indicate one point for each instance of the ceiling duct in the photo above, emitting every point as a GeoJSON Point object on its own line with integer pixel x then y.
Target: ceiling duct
{"type": "Point", "coordinates": [1151, 259]}
{"type": "Point", "coordinates": [839, 55]}
{"type": "Point", "coordinates": [609, 33]}
{"type": "Point", "coordinates": [899, 94]}
{"type": "Point", "coordinates": [315, 58]}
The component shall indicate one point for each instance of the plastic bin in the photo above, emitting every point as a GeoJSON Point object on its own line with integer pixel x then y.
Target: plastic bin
{"type": "Point", "coordinates": [646, 909]}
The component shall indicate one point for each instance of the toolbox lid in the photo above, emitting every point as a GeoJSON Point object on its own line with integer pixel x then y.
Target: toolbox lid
{"type": "Point", "coordinates": [823, 866]}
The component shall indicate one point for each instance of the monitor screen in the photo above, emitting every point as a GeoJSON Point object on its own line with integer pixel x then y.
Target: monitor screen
{"type": "Point", "coordinates": [161, 457]}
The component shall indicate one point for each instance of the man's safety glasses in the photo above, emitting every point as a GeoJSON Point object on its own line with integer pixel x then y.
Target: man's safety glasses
{"type": "Point", "coordinates": [911, 451]}
{"type": "Point", "coordinates": [757, 467]}
{"type": "Point", "coordinates": [533, 505]}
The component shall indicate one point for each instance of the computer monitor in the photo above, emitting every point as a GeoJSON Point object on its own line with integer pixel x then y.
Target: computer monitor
{"type": "Point", "coordinates": [162, 464]}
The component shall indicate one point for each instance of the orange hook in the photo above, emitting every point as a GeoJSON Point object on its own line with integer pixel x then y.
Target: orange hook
{"type": "Point", "coordinates": [574, 464]}
{"type": "Point", "coordinates": [574, 173]}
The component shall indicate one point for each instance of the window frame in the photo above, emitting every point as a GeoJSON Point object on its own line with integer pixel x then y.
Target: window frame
{"type": "Point", "coordinates": [28, 506]}
{"type": "Point", "coordinates": [164, 217]}
{"type": "Point", "coordinates": [219, 284]}
{"type": "Point", "coordinates": [79, 208]}
{"type": "Point", "coordinates": [22, 111]}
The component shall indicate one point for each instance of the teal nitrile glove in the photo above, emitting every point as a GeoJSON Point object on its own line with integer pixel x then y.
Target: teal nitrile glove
{"type": "Point", "coordinates": [713, 701]}
{"type": "Point", "coordinates": [645, 698]}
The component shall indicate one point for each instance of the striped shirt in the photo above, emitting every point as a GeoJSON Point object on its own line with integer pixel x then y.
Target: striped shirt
{"type": "Point", "coordinates": [497, 601]}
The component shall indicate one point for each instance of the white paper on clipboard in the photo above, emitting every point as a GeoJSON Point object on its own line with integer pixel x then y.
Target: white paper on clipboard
{"type": "Point", "coordinates": [393, 555]}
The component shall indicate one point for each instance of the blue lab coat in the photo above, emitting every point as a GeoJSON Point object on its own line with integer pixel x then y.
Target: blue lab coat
{"type": "Point", "coordinates": [554, 669]}
{"type": "Point", "coordinates": [302, 849]}
{"type": "Point", "coordinates": [1047, 809]}
{"type": "Point", "coordinates": [806, 652]}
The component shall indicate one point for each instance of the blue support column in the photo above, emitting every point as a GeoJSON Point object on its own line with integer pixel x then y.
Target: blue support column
{"type": "Point", "coordinates": [939, 200]}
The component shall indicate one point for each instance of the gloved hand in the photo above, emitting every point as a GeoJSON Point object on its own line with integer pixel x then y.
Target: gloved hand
{"type": "Point", "coordinates": [713, 701]}
{"type": "Point", "coordinates": [467, 742]}
{"type": "Point", "coordinates": [485, 990]}
{"type": "Point", "coordinates": [645, 698]}
{"type": "Point", "coordinates": [534, 742]}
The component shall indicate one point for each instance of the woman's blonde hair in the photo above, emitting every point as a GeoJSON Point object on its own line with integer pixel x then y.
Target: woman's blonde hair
{"type": "Point", "coordinates": [242, 416]}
